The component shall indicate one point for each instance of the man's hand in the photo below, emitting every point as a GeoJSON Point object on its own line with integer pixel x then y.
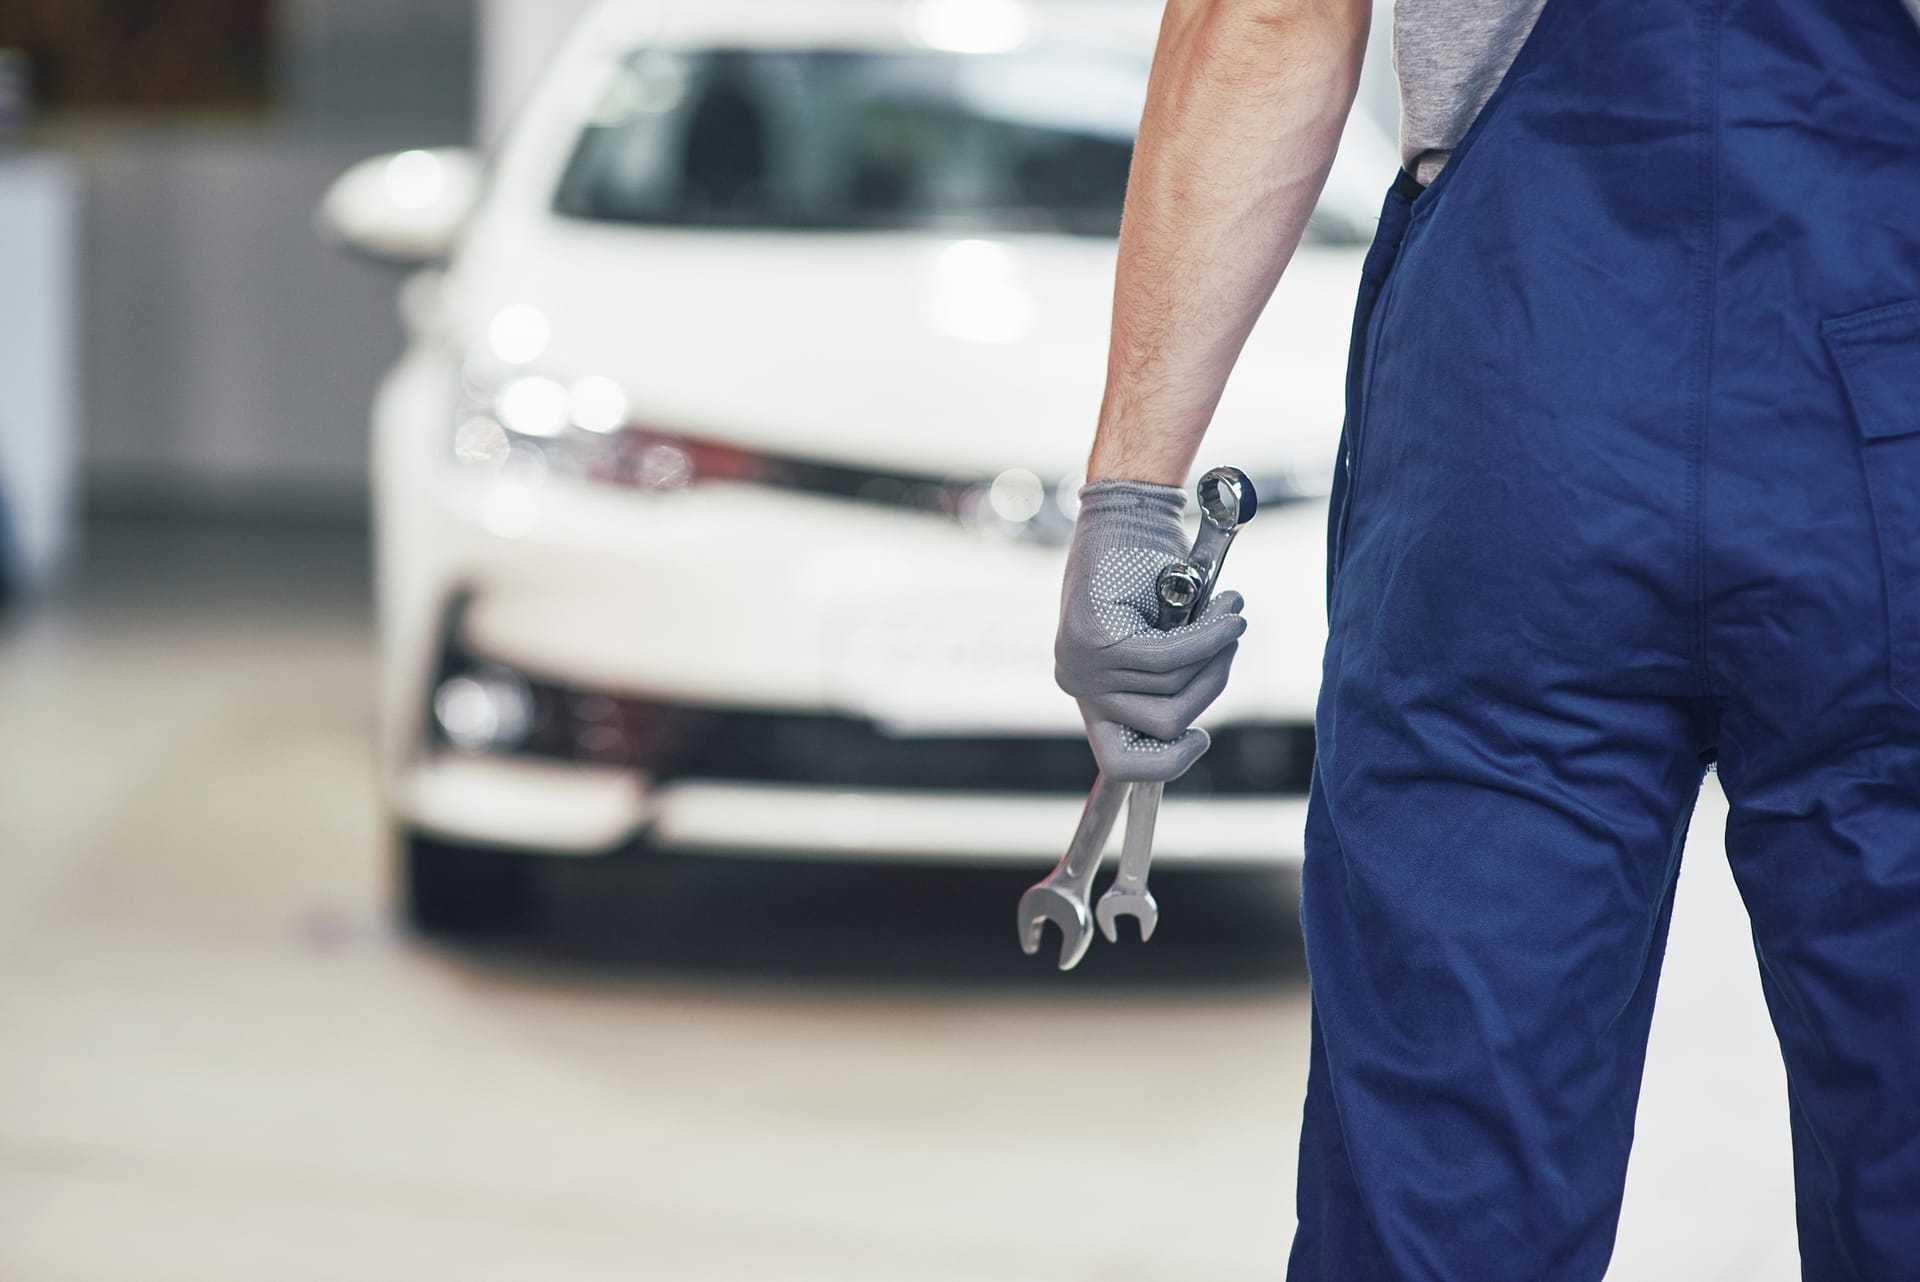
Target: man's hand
{"type": "Point", "coordinates": [1139, 689]}
{"type": "Point", "coordinates": [1244, 110]}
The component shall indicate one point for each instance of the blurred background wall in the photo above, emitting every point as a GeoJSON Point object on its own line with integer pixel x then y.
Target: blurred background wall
{"type": "Point", "coordinates": [198, 391]}
{"type": "Point", "coordinates": [204, 391]}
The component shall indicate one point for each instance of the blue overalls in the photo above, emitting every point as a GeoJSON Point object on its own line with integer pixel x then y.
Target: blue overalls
{"type": "Point", "coordinates": [1632, 484]}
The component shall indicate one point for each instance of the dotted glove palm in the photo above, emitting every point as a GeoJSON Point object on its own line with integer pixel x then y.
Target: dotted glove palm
{"type": "Point", "coordinates": [1139, 688]}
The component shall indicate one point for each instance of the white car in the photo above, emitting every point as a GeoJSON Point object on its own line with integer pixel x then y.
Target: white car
{"type": "Point", "coordinates": [722, 492]}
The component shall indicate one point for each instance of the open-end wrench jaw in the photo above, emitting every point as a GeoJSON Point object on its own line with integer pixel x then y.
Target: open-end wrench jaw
{"type": "Point", "coordinates": [1043, 904]}
{"type": "Point", "coordinates": [1117, 903]}
{"type": "Point", "coordinates": [1065, 896]}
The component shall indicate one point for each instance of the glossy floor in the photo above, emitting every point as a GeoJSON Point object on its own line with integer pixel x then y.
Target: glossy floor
{"type": "Point", "coordinates": [218, 1062]}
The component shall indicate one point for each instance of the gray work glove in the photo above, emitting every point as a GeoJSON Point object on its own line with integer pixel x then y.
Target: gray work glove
{"type": "Point", "coordinates": [1139, 688]}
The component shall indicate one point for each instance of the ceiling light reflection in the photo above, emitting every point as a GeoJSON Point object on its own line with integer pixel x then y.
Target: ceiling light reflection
{"type": "Point", "coordinates": [969, 26]}
{"type": "Point", "coordinates": [519, 334]}
{"type": "Point", "coordinates": [1066, 497]}
{"type": "Point", "coordinates": [975, 294]}
{"type": "Point", "coordinates": [481, 441]}
{"type": "Point", "coordinates": [415, 179]}
{"type": "Point", "coordinates": [1017, 495]}
{"type": "Point", "coordinates": [534, 406]}
{"type": "Point", "coordinates": [597, 404]}
{"type": "Point", "coordinates": [665, 467]}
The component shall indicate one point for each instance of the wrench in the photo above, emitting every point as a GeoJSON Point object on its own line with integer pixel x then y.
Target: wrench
{"type": "Point", "coordinates": [1179, 588]}
{"type": "Point", "coordinates": [1227, 502]}
{"type": "Point", "coordinates": [1063, 896]}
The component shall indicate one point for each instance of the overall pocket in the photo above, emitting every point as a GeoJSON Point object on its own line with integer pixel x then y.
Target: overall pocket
{"type": "Point", "coordinates": [1877, 353]}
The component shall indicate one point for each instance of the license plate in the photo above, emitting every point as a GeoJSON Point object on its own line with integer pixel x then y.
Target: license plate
{"type": "Point", "coordinates": [943, 670]}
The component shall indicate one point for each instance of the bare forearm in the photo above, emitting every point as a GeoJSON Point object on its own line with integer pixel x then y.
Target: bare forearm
{"type": "Point", "coordinates": [1245, 110]}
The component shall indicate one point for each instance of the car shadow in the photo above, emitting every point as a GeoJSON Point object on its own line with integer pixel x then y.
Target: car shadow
{"type": "Point", "coordinates": [879, 925]}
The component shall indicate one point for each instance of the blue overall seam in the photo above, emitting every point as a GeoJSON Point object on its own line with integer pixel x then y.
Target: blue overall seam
{"type": "Point", "coordinates": [1706, 300]}
{"type": "Point", "coordinates": [1363, 412]}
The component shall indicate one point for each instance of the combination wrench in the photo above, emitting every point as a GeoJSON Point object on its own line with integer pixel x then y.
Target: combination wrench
{"type": "Point", "coordinates": [1227, 502]}
{"type": "Point", "coordinates": [1064, 896]}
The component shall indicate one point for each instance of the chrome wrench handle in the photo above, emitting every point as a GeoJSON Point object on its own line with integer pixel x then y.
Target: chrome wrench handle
{"type": "Point", "coordinates": [1179, 588]}
{"type": "Point", "coordinates": [1129, 896]}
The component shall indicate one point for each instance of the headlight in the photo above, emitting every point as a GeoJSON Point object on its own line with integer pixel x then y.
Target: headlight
{"type": "Point", "coordinates": [518, 417]}
{"type": "Point", "coordinates": [534, 423]}
{"type": "Point", "coordinates": [531, 421]}
{"type": "Point", "coordinates": [527, 424]}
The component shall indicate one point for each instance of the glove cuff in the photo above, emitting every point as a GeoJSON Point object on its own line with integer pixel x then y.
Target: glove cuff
{"type": "Point", "coordinates": [1141, 501]}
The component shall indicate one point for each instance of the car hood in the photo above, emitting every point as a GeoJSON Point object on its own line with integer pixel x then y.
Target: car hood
{"type": "Point", "coordinates": [911, 352]}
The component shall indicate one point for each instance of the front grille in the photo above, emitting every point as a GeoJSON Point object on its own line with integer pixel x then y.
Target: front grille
{"type": "Point", "coordinates": [679, 742]}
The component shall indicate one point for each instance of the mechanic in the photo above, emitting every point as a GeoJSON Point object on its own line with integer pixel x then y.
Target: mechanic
{"type": "Point", "coordinates": [1629, 484]}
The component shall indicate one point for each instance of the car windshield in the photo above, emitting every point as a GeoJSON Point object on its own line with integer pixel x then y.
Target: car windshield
{"type": "Point", "coordinates": [841, 140]}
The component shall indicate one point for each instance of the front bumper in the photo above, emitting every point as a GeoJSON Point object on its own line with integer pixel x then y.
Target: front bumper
{"type": "Point", "coordinates": [731, 672]}
{"type": "Point", "coordinates": [596, 810]}
{"type": "Point", "coordinates": [589, 772]}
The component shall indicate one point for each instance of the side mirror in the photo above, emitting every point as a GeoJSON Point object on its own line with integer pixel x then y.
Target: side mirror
{"type": "Point", "coordinates": [408, 207]}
